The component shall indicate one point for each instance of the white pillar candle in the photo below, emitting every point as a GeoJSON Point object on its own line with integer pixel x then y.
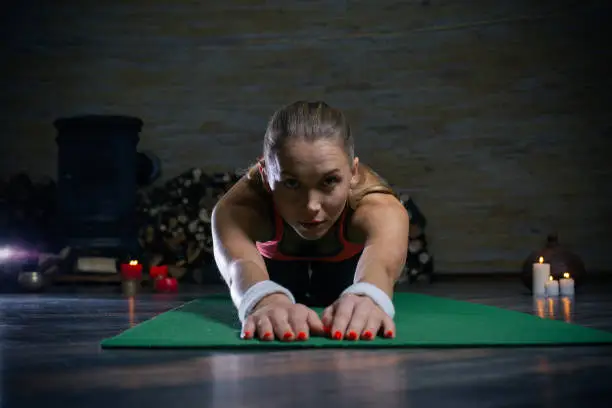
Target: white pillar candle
{"type": "Point", "coordinates": [552, 287]}
{"type": "Point", "coordinates": [566, 284]}
{"type": "Point", "coordinates": [541, 273]}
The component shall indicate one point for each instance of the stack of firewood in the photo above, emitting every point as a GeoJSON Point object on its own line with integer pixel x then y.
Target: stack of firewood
{"type": "Point", "coordinates": [175, 218]}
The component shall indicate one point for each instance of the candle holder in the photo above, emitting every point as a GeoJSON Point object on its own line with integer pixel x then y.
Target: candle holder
{"type": "Point", "coordinates": [130, 287]}
{"type": "Point", "coordinates": [561, 261]}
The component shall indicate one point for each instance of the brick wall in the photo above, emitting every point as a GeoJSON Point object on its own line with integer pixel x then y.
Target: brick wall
{"type": "Point", "coordinates": [495, 114]}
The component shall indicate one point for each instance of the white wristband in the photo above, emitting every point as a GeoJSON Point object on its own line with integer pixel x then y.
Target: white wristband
{"type": "Point", "coordinates": [257, 292]}
{"type": "Point", "coordinates": [376, 294]}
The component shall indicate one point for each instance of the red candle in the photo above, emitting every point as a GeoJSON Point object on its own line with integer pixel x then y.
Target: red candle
{"type": "Point", "coordinates": [166, 284]}
{"type": "Point", "coordinates": [157, 272]}
{"type": "Point", "coordinates": [132, 270]}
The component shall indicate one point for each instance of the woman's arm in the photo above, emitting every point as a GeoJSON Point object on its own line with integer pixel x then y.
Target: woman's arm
{"type": "Point", "coordinates": [265, 308]}
{"type": "Point", "coordinates": [385, 223]}
{"type": "Point", "coordinates": [366, 307]}
{"type": "Point", "coordinates": [237, 223]}
{"type": "Point", "coordinates": [234, 248]}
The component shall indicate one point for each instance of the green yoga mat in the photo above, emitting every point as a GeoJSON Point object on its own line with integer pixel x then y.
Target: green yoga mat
{"type": "Point", "coordinates": [421, 321]}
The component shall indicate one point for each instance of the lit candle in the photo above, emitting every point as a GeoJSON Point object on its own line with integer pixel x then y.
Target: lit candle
{"type": "Point", "coordinates": [552, 287]}
{"type": "Point", "coordinates": [566, 285]}
{"type": "Point", "coordinates": [132, 270]}
{"type": "Point", "coordinates": [157, 272]}
{"type": "Point", "coordinates": [541, 273]}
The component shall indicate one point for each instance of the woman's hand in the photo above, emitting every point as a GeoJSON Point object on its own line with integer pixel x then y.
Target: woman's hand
{"type": "Point", "coordinates": [357, 317]}
{"type": "Point", "coordinates": [275, 316]}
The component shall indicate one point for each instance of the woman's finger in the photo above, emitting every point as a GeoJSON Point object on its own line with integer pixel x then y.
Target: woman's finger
{"type": "Point", "coordinates": [263, 328]}
{"type": "Point", "coordinates": [248, 329]}
{"type": "Point", "coordinates": [327, 318]}
{"type": "Point", "coordinates": [315, 324]}
{"type": "Point", "coordinates": [298, 320]}
{"type": "Point", "coordinates": [342, 316]}
{"type": "Point", "coordinates": [362, 310]}
{"type": "Point", "coordinates": [372, 326]}
{"type": "Point", "coordinates": [280, 324]}
{"type": "Point", "coordinates": [388, 327]}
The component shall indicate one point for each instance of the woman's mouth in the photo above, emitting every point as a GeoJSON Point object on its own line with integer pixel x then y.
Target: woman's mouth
{"type": "Point", "coordinates": [311, 224]}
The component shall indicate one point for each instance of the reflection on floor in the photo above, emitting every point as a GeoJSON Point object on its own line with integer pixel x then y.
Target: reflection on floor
{"type": "Point", "coordinates": [50, 357]}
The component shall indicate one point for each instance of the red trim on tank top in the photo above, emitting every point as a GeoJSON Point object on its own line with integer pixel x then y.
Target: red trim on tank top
{"type": "Point", "coordinates": [270, 249]}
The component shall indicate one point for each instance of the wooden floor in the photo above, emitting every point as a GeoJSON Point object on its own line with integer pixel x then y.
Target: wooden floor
{"type": "Point", "coordinates": [50, 357]}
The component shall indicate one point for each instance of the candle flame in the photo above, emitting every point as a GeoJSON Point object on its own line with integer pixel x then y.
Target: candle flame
{"type": "Point", "coordinates": [550, 278]}
{"type": "Point", "coordinates": [541, 260]}
{"type": "Point", "coordinates": [133, 262]}
{"type": "Point", "coordinates": [566, 275]}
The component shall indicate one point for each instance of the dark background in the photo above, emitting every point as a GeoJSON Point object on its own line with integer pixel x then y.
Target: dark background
{"type": "Point", "coordinates": [494, 115]}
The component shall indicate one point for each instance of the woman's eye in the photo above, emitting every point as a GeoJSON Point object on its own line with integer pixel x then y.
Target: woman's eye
{"type": "Point", "coordinates": [291, 184]}
{"type": "Point", "coordinates": [331, 181]}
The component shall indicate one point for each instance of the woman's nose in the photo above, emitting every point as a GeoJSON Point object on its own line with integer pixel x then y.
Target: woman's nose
{"type": "Point", "coordinates": [313, 203]}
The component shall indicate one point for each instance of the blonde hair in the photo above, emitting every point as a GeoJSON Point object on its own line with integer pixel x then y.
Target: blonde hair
{"type": "Point", "coordinates": [309, 121]}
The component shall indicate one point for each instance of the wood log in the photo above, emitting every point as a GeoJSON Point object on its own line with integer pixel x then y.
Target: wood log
{"type": "Point", "coordinates": [175, 223]}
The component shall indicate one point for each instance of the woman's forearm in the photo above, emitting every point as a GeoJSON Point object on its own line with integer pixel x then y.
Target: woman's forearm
{"type": "Point", "coordinates": [251, 288]}
{"type": "Point", "coordinates": [378, 271]}
{"type": "Point", "coordinates": [234, 250]}
{"type": "Point", "coordinates": [386, 223]}
{"type": "Point", "coordinates": [240, 275]}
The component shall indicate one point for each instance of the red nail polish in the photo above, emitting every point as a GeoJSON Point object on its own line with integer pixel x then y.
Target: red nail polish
{"type": "Point", "coordinates": [327, 329]}
{"type": "Point", "coordinates": [352, 335]}
{"type": "Point", "coordinates": [301, 336]}
{"type": "Point", "coordinates": [367, 335]}
{"type": "Point", "coordinates": [288, 336]}
{"type": "Point", "coordinates": [337, 335]}
{"type": "Point", "coordinates": [247, 334]}
{"type": "Point", "coordinates": [267, 335]}
{"type": "Point", "coordinates": [389, 333]}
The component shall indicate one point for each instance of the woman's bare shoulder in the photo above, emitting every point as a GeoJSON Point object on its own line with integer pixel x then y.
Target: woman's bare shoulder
{"type": "Point", "coordinates": [248, 195]}
{"type": "Point", "coordinates": [376, 212]}
{"type": "Point", "coordinates": [371, 193]}
{"type": "Point", "coordinates": [368, 182]}
{"type": "Point", "coordinates": [249, 191]}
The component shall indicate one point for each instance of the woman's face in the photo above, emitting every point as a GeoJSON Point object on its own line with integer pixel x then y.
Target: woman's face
{"type": "Point", "coordinates": [310, 183]}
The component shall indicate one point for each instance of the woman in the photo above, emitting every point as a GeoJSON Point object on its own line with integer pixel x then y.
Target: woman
{"type": "Point", "coordinates": [310, 226]}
